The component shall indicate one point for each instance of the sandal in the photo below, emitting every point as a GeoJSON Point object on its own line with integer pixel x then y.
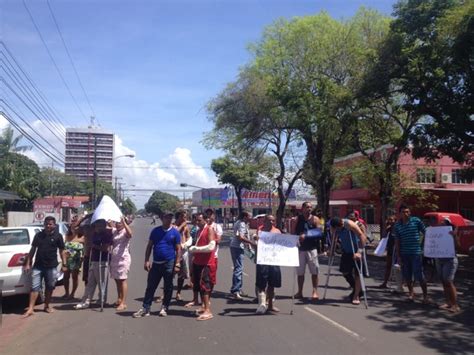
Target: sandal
{"type": "Point", "coordinates": [356, 302]}
{"type": "Point", "coordinates": [48, 309]}
{"type": "Point", "coordinates": [190, 304]}
{"type": "Point", "coordinates": [121, 307]}
{"type": "Point", "coordinates": [205, 316]}
{"type": "Point", "coordinates": [444, 306]}
{"type": "Point", "coordinates": [199, 311]}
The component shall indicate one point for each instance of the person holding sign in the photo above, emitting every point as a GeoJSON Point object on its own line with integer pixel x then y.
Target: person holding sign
{"type": "Point", "coordinates": [308, 227]}
{"type": "Point", "coordinates": [268, 277]}
{"type": "Point", "coordinates": [446, 268]}
{"type": "Point", "coordinates": [352, 240]}
{"type": "Point", "coordinates": [407, 232]}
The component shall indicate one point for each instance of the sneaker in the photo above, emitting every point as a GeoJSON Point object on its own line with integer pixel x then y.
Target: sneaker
{"type": "Point", "coordinates": [82, 305]}
{"type": "Point", "coordinates": [243, 294]}
{"type": "Point", "coordinates": [261, 309]}
{"type": "Point", "coordinates": [142, 312]}
{"type": "Point", "coordinates": [163, 312]}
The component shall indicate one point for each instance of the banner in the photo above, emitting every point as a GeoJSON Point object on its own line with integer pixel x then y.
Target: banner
{"type": "Point", "coordinates": [439, 243]}
{"type": "Point", "coordinates": [277, 249]}
{"type": "Point", "coordinates": [107, 210]}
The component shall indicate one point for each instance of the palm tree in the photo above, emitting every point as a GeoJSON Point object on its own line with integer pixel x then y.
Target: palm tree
{"type": "Point", "coordinates": [9, 143]}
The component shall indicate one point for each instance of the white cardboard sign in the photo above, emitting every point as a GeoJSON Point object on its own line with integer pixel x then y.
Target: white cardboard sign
{"type": "Point", "coordinates": [107, 210]}
{"type": "Point", "coordinates": [277, 249]}
{"type": "Point", "coordinates": [439, 243]}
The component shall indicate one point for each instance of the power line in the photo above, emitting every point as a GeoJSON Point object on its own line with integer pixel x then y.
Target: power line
{"type": "Point", "coordinates": [33, 103]}
{"type": "Point", "coordinates": [51, 109]}
{"type": "Point", "coordinates": [165, 167]}
{"type": "Point", "coordinates": [69, 56]}
{"type": "Point", "coordinates": [28, 136]}
{"type": "Point", "coordinates": [34, 113]}
{"type": "Point", "coordinates": [52, 59]}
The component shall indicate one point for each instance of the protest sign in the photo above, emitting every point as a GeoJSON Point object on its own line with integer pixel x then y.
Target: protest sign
{"type": "Point", "coordinates": [439, 243]}
{"type": "Point", "coordinates": [107, 210]}
{"type": "Point", "coordinates": [277, 249]}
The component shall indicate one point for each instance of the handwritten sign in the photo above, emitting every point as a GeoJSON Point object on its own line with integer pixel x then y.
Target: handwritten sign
{"type": "Point", "coordinates": [277, 249]}
{"type": "Point", "coordinates": [439, 243]}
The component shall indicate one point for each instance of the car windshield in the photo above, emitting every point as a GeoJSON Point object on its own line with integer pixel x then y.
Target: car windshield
{"type": "Point", "coordinates": [14, 237]}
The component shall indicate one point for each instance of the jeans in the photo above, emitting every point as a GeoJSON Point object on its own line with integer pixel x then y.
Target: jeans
{"type": "Point", "coordinates": [237, 255]}
{"type": "Point", "coordinates": [48, 274]}
{"type": "Point", "coordinates": [157, 272]}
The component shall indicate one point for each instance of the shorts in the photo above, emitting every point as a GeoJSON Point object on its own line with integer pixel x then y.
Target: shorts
{"type": "Point", "coordinates": [204, 277]}
{"type": "Point", "coordinates": [412, 268]}
{"type": "Point", "coordinates": [183, 268]}
{"type": "Point", "coordinates": [446, 268]}
{"type": "Point", "coordinates": [48, 274]}
{"type": "Point", "coordinates": [348, 264]}
{"type": "Point", "coordinates": [310, 258]}
{"type": "Point", "coordinates": [268, 275]}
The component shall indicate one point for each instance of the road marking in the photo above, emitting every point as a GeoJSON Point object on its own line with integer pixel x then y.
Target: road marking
{"type": "Point", "coordinates": [336, 324]}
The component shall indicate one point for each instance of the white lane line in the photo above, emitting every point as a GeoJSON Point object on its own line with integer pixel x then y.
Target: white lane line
{"type": "Point", "coordinates": [336, 324]}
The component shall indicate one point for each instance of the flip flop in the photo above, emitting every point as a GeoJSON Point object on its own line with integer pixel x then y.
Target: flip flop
{"type": "Point", "coordinates": [444, 306]}
{"type": "Point", "coordinates": [198, 312]}
{"type": "Point", "coordinates": [49, 310]}
{"type": "Point", "coordinates": [190, 304]}
{"type": "Point", "coordinates": [205, 317]}
{"type": "Point", "coordinates": [356, 302]}
{"type": "Point", "coordinates": [121, 308]}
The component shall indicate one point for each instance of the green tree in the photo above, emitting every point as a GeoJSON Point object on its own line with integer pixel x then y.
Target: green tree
{"type": "Point", "coordinates": [21, 175]}
{"type": "Point", "coordinates": [248, 119]}
{"type": "Point", "coordinates": [312, 64]}
{"type": "Point", "coordinates": [428, 60]}
{"type": "Point", "coordinates": [54, 182]}
{"type": "Point", "coordinates": [162, 201]}
{"type": "Point", "coordinates": [128, 207]}
{"type": "Point", "coordinates": [9, 143]}
{"type": "Point", "coordinates": [238, 172]}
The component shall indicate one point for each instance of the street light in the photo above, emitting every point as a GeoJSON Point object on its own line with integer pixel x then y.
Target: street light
{"type": "Point", "coordinates": [183, 184]}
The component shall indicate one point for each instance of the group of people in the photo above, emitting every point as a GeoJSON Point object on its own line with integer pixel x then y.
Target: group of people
{"type": "Point", "coordinates": [191, 252]}
{"type": "Point", "coordinates": [99, 247]}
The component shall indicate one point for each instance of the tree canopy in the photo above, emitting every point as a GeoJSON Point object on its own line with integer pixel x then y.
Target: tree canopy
{"type": "Point", "coordinates": [161, 201]}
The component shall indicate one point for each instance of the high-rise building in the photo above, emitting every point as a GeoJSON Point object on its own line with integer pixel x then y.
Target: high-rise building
{"type": "Point", "coordinates": [80, 143]}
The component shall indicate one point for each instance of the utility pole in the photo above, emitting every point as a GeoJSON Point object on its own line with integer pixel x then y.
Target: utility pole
{"type": "Point", "coordinates": [51, 176]}
{"type": "Point", "coordinates": [94, 195]}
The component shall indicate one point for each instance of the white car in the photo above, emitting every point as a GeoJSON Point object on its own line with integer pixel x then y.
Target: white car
{"type": "Point", "coordinates": [15, 244]}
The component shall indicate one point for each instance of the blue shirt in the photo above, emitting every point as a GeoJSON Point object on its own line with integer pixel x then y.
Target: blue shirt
{"type": "Point", "coordinates": [164, 243]}
{"type": "Point", "coordinates": [409, 236]}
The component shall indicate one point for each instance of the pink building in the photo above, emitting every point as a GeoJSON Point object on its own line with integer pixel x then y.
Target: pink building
{"type": "Point", "coordinates": [442, 178]}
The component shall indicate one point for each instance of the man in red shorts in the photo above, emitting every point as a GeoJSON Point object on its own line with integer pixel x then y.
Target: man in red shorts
{"type": "Point", "coordinates": [204, 266]}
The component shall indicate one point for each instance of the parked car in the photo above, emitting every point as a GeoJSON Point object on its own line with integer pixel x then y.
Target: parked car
{"type": "Point", "coordinates": [465, 228]}
{"type": "Point", "coordinates": [15, 244]}
{"type": "Point", "coordinates": [62, 227]}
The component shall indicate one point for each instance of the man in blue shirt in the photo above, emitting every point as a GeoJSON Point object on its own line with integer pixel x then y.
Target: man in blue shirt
{"type": "Point", "coordinates": [407, 232]}
{"type": "Point", "coordinates": [165, 241]}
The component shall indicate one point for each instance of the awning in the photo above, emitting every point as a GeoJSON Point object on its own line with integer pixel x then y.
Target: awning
{"type": "Point", "coordinates": [344, 203]}
{"type": "Point", "coordinates": [6, 195]}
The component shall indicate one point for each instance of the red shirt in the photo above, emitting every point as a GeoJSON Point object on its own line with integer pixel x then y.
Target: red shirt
{"type": "Point", "coordinates": [204, 258]}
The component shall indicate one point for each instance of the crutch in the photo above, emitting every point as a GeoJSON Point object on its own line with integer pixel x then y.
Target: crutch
{"type": "Point", "coordinates": [330, 262]}
{"type": "Point", "coordinates": [361, 273]}
{"type": "Point", "coordinates": [102, 283]}
{"type": "Point", "coordinates": [364, 259]}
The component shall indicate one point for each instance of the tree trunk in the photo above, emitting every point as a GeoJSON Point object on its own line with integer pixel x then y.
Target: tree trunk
{"type": "Point", "coordinates": [281, 208]}
{"type": "Point", "coordinates": [238, 194]}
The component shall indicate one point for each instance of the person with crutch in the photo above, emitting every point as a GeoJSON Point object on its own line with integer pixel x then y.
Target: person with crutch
{"type": "Point", "coordinates": [102, 240]}
{"type": "Point", "coordinates": [352, 239]}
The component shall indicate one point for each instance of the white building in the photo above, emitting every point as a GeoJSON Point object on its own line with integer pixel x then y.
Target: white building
{"type": "Point", "coordinates": [80, 153]}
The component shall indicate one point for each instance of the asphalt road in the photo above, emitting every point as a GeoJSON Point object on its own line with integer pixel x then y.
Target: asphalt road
{"type": "Point", "coordinates": [391, 325]}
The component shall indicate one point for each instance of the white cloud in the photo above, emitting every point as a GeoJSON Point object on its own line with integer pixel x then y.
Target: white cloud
{"type": "Point", "coordinates": [164, 174]}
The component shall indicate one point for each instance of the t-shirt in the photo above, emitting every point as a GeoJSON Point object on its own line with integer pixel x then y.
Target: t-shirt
{"type": "Point", "coordinates": [47, 249]}
{"type": "Point", "coordinates": [346, 236]}
{"type": "Point", "coordinates": [101, 239]}
{"type": "Point", "coordinates": [164, 243]}
{"type": "Point", "coordinates": [242, 228]}
{"type": "Point", "coordinates": [409, 235]}
{"type": "Point", "coordinates": [302, 227]}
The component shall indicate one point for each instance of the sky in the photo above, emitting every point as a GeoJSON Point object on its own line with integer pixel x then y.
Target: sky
{"type": "Point", "coordinates": [149, 68]}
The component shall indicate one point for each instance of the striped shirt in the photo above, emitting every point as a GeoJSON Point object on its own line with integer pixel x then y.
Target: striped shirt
{"type": "Point", "coordinates": [409, 236]}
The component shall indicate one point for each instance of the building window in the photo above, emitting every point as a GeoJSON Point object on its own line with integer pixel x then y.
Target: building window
{"type": "Point", "coordinates": [457, 178]}
{"type": "Point", "coordinates": [368, 214]}
{"type": "Point", "coordinates": [426, 176]}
